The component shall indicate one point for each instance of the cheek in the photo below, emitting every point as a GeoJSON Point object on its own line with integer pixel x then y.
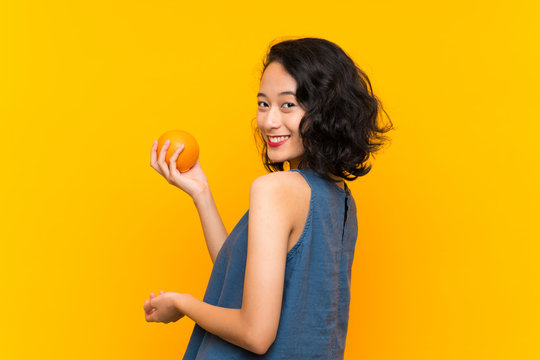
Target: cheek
{"type": "Point", "coordinates": [297, 121]}
{"type": "Point", "coordinates": [260, 119]}
{"type": "Point", "coordinates": [298, 143]}
{"type": "Point", "coordinates": [259, 123]}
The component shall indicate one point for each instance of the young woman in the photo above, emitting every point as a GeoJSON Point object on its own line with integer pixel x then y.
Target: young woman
{"type": "Point", "coordinates": [280, 284]}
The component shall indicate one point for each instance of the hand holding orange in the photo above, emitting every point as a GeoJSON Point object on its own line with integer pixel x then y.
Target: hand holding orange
{"type": "Point", "coordinates": [188, 156]}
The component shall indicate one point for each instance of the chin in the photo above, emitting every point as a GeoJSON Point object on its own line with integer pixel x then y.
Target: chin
{"type": "Point", "coordinates": [289, 158]}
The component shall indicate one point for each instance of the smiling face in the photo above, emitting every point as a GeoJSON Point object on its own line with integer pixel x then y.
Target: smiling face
{"type": "Point", "coordinates": [279, 115]}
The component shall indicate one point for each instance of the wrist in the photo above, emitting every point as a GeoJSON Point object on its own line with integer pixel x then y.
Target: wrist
{"type": "Point", "coordinates": [180, 301]}
{"type": "Point", "coordinates": [202, 197]}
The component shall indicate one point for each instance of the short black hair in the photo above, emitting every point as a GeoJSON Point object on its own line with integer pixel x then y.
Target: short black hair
{"type": "Point", "coordinates": [339, 129]}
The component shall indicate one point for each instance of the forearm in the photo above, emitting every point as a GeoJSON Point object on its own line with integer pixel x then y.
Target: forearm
{"type": "Point", "coordinates": [213, 227]}
{"type": "Point", "coordinates": [228, 324]}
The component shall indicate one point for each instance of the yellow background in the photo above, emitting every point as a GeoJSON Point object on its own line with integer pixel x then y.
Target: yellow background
{"type": "Point", "coordinates": [446, 263]}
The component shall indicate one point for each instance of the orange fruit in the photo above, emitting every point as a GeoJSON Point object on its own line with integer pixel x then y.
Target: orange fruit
{"type": "Point", "coordinates": [188, 157]}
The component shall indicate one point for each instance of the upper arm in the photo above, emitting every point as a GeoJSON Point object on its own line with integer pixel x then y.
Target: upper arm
{"type": "Point", "coordinates": [270, 223]}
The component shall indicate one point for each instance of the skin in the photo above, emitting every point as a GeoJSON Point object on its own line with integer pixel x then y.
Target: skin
{"type": "Point", "coordinates": [278, 113]}
{"type": "Point", "coordinates": [279, 205]}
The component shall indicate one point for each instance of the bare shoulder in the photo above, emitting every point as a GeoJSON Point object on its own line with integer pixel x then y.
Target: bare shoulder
{"type": "Point", "coordinates": [288, 191]}
{"type": "Point", "coordinates": [285, 183]}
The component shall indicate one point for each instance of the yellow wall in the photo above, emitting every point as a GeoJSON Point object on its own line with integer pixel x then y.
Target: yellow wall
{"type": "Point", "coordinates": [446, 263]}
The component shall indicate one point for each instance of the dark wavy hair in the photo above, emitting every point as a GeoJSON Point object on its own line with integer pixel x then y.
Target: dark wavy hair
{"type": "Point", "coordinates": [339, 129]}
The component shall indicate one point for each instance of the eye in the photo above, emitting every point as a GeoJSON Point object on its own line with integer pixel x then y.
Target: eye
{"type": "Point", "coordinates": [290, 104]}
{"type": "Point", "coordinates": [261, 103]}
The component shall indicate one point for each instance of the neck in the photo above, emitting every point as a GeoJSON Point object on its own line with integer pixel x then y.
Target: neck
{"type": "Point", "coordinates": [294, 163]}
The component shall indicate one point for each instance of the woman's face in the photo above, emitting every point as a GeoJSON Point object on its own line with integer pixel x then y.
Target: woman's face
{"type": "Point", "coordinates": [279, 115]}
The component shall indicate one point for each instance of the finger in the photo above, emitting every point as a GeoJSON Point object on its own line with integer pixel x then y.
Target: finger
{"type": "Point", "coordinates": [153, 154]}
{"type": "Point", "coordinates": [149, 316]}
{"type": "Point", "coordinates": [164, 148]}
{"type": "Point", "coordinates": [197, 165]}
{"type": "Point", "coordinates": [147, 307]}
{"type": "Point", "coordinates": [154, 301]}
{"type": "Point", "coordinates": [161, 159]}
{"type": "Point", "coordinates": [152, 295]}
{"type": "Point", "coordinates": [174, 157]}
{"type": "Point", "coordinates": [161, 292]}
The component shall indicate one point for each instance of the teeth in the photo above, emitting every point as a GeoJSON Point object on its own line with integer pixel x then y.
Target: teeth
{"type": "Point", "coordinates": [278, 139]}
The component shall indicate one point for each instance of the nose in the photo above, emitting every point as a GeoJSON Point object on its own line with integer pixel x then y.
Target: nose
{"type": "Point", "coordinates": [272, 119]}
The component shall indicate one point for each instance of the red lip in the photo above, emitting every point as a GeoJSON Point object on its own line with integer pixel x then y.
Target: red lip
{"type": "Point", "coordinates": [276, 144]}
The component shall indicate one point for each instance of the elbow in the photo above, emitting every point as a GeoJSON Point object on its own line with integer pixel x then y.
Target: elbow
{"type": "Point", "coordinates": [259, 348]}
{"type": "Point", "coordinates": [259, 343]}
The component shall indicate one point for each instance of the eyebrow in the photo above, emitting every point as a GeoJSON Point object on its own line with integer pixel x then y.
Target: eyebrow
{"type": "Point", "coordinates": [281, 93]}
